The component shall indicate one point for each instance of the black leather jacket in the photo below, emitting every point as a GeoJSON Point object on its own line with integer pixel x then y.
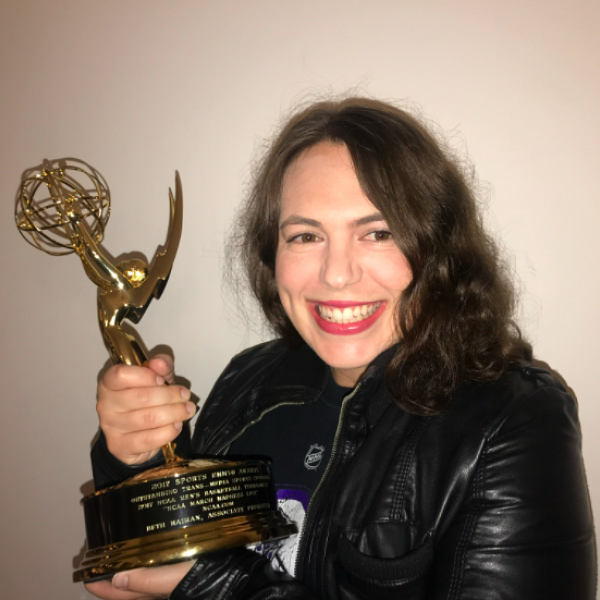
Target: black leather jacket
{"type": "Point", "coordinates": [486, 501]}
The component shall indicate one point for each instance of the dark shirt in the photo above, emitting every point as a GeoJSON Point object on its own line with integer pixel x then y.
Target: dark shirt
{"type": "Point", "coordinates": [298, 440]}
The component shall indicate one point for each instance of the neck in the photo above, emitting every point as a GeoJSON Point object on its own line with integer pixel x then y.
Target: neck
{"type": "Point", "coordinates": [347, 377]}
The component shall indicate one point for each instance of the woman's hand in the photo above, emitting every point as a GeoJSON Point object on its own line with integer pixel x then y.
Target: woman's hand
{"type": "Point", "coordinates": [141, 584]}
{"type": "Point", "coordinates": [138, 412]}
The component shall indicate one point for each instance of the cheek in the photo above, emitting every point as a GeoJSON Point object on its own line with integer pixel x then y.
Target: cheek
{"type": "Point", "coordinates": [280, 266]}
{"type": "Point", "coordinates": [403, 276]}
{"type": "Point", "coordinates": [394, 274]}
{"type": "Point", "coordinates": [281, 269]}
{"type": "Point", "coordinates": [294, 273]}
{"type": "Point", "coordinates": [287, 280]}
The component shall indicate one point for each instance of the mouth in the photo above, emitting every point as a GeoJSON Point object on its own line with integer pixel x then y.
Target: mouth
{"type": "Point", "coordinates": [349, 314]}
{"type": "Point", "coordinates": [346, 318]}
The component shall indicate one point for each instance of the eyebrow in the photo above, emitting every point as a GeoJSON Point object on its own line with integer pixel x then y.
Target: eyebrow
{"type": "Point", "coordinates": [298, 220]}
{"type": "Point", "coordinates": [375, 217]}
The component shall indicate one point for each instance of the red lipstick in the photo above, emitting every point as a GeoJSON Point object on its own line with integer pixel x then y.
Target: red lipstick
{"type": "Point", "coordinates": [344, 328]}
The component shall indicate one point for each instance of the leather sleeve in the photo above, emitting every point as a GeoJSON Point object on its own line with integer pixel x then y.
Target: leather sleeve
{"type": "Point", "coordinates": [240, 574]}
{"type": "Point", "coordinates": [526, 532]}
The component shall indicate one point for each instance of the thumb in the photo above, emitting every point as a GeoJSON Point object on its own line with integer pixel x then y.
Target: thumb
{"type": "Point", "coordinates": [163, 365]}
{"type": "Point", "coordinates": [156, 582]}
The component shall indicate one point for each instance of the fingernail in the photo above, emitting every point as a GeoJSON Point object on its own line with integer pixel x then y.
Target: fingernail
{"type": "Point", "coordinates": [186, 394]}
{"type": "Point", "coordinates": [159, 380]}
{"type": "Point", "coordinates": [121, 581]}
{"type": "Point", "coordinates": [191, 408]}
{"type": "Point", "coordinates": [178, 426]}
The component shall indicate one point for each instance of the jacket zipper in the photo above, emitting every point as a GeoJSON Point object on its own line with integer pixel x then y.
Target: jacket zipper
{"type": "Point", "coordinates": [312, 501]}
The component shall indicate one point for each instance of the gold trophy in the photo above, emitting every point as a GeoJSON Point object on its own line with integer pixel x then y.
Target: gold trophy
{"type": "Point", "coordinates": [188, 506]}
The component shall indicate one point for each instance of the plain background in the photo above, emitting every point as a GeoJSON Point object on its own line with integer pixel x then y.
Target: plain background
{"type": "Point", "coordinates": [140, 88]}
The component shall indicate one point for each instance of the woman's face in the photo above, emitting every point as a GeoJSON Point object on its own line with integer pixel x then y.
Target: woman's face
{"type": "Point", "coordinates": [339, 273]}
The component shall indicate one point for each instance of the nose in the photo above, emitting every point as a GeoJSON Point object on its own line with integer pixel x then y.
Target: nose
{"type": "Point", "coordinates": [340, 267]}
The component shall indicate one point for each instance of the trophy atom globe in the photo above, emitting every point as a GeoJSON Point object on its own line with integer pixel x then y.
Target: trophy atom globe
{"type": "Point", "coordinates": [188, 506]}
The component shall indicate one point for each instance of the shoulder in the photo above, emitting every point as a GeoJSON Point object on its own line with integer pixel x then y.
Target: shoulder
{"type": "Point", "coordinates": [522, 395]}
{"type": "Point", "coordinates": [523, 418]}
{"type": "Point", "coordinates": [254, 381]}
{"type": "Point", "coordinates": [253, 364]}
{"type": "Point", "coordinates": [274, 366]}
{"type": "Point", "coordinates": [264, 351]}
{"type": "Point", "coordinates": [511, 450]}
{"type": "Point", "coordinates": [526, 441]}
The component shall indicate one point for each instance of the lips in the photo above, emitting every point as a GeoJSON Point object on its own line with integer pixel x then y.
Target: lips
{"type": "Point", "coordinates": [346, 317]}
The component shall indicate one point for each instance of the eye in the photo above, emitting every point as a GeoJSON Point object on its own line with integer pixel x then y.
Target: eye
{"type": "Point", "coordinates": [380, 235]}
{"type": "Point", "coordinates": [303, 238]}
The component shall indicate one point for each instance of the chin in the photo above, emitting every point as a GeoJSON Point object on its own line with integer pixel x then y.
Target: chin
{"type": "Point", "coordinates": [344, 355]}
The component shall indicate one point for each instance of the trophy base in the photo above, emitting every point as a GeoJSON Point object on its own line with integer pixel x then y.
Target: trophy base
{"type": "Point", "coordinates": [181, 545]}
{"type": "Point", "coordinates": [175, 512]}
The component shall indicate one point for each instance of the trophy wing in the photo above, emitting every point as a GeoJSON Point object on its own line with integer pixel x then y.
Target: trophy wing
{"type": "Point", "coordinates": [160, 269]}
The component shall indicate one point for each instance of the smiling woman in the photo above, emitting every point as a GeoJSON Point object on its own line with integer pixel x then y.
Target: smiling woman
{"type": "Point", "coordinates": [418, 450]}
{"type": "Point", "coordinates": [338, 270]}
{"type": "Point", "coordinates": [455, 314]}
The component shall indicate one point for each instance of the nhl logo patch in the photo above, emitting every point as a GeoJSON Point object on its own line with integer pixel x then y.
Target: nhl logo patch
{"type": "Point", "coordinates": [313, 457]}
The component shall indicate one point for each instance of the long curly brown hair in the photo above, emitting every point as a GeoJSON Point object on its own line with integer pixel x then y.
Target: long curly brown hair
{"type": "Point", "coordinates": [455, 319]}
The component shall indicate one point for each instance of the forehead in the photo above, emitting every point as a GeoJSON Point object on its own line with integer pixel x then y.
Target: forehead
{"type": "Point", "coordinates": [322, 179]}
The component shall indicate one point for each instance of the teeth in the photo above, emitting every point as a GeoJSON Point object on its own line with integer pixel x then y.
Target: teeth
{"type": "Point", "coordinates": [347, 315]}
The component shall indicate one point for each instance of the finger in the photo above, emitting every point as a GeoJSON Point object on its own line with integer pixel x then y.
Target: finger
{"type": "Point", "coordinates": [163, 365]}
{"type": "Point", "coordinates": [128, 444]}
{"type": "Point", "coordinates": [155, 417]}
{"type": "Point", "coordinates": [106, 591]}
{"type": "Point", "coordinates": [134, 444]}
{"type": "Point", "coordinates": [124, 377]}
{"type": "Point", "coordinates": [157, 581]}
{"type": "Point", "coordinates": [112, 405]}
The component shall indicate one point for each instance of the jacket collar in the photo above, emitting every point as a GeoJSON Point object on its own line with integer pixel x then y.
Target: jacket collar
{"type": "Point", "coordinates": [301, 368]}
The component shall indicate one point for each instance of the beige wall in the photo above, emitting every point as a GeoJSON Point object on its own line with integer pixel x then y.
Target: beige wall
{"type": "Point", "coordinates": [144, 87]}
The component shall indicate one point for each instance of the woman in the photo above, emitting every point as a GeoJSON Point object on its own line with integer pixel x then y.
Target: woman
{"type": "Point", "coordinates": [446, 465]}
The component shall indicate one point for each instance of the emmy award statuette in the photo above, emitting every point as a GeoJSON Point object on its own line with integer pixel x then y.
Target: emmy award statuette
{"type": "Point", "coordinates": [188, 506]}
